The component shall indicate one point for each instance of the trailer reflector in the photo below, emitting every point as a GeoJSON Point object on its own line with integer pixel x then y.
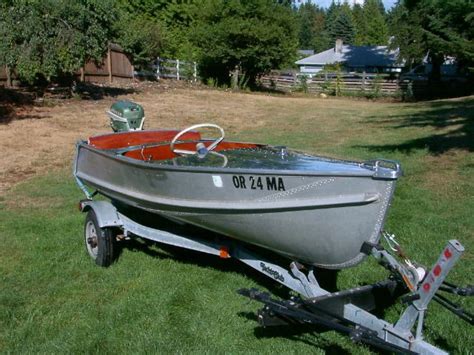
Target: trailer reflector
{"type": "Point", "coordinates": [224, 252]}
{"type": "Point", "coordinates": [447, 253]}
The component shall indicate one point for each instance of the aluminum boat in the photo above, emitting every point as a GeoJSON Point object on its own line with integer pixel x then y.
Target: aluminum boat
{"type": "Point", "coordinates": [312, 209]}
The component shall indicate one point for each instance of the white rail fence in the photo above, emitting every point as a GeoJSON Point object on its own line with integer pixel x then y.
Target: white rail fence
{"type": "Point", "coordinates": [176, 69]}
{"type": "Point", "coordinates": [326, 82]}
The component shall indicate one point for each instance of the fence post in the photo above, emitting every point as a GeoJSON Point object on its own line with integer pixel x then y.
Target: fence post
{"type": "Point", "coordinates": [158, 68]}
{"type": "Point", "coordinates": [363, 80]}
{"type": "Point", "coordinates": [195, 72]}
{"type": "Point", "coordinates": [109, 63]}
{"type": "Point", "coordinates": [9, 76]}
{"type": "Point", "coordinates": [177, 69]}
{"type": "Point", "coordinates": [234, 78]}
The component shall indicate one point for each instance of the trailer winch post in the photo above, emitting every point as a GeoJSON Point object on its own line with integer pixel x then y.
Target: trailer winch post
{"type": "Point", "coordinates": [430, 285]}
{"type": "Point", "coordinates": [401, 334]}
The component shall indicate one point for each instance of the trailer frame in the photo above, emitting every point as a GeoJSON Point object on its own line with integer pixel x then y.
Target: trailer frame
{"type": "Point", "coordinates": [346, 311]}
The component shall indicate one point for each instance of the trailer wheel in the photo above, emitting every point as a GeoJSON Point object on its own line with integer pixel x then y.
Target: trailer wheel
{"type": "Point", "coordinates": [100, 242]}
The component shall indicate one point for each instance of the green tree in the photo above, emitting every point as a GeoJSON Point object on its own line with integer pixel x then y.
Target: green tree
{"type": "Point", "coordinates": [439, 28]}
{"type": "Point", "coordinates": [407, 34]}
{"type": "Point", "coordinates": [254, 35]}
{"type": "Point", "coordinates": [178, 19]}
{"type": "Point", "coordinates": [331, 15]}
{"type": "Point", "coordinates": [360, 23]}
{"type": "Point", "coordinates": [312, 34]}
{"type": "Point", "coordinates": [138, 29]}
{"type": "Point", "coordinates": [42, 40]}
{"type": "Point", "coordinates": [306, 13]}
{"type": "Point", "coordinates": [140, 37]}
{"type": "Point", "coordinates": [151, 28]}
{"type": "Point", "coordinates": [342, 24]}
{"type": "Point", "coordinates": [376, 29]}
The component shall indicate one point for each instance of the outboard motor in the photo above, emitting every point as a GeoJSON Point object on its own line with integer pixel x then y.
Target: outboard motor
{"type": "Point", "coordinates": [126, 116]}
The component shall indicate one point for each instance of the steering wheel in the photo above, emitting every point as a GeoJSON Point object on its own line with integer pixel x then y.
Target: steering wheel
{"type": "Point", "coordinates": [222, 156]}
{"type": "Point", "coordinates": [201, 149]}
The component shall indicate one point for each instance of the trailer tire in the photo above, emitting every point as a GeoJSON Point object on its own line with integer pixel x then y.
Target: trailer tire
{"type": "Point", "coordinates": [100, 242]}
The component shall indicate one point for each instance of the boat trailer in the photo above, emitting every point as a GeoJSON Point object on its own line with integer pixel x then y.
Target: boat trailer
{"type": "Point", "coordinates": [346, 311]}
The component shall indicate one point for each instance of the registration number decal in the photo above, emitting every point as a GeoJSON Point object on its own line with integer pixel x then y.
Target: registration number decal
{"type": "Point", "coordinates": [270, 183]}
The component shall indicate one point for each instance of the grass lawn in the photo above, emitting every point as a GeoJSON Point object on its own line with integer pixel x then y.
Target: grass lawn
{"type": "Point", "coordinates": [53, 299]}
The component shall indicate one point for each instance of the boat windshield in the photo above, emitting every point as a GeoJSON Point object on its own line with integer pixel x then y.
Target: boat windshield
{"type": "Point", "coordinates": [272, 158]}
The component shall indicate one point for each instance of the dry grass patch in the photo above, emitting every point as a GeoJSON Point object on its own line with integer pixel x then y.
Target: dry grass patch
{"type": "Point", "coordinates": [43, 138]}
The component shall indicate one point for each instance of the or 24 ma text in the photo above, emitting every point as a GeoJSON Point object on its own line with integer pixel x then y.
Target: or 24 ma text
{"type": "Point", "coordinates": [270, 183]}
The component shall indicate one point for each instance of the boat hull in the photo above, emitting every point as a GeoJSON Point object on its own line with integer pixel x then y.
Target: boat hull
{"type": "Point", "coordinates": [317, 219]}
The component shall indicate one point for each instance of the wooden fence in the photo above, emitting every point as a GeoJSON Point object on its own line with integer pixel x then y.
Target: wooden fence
{"type": "Point", "coordinates": [176, 69]}
{"type": "Point", "coordinates": [333, 82]}
{"type": "Point", "coordinates": [114, 67]}
{"type": "Point", "coordinates": [4, 77]}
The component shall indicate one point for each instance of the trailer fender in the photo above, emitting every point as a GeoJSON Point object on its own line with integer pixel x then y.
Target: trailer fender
{"type": "Point", "coordinates": [106, 212]}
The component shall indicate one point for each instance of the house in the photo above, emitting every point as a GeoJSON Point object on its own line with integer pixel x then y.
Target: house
{"type": "Point", "coordinates": [371, 59]}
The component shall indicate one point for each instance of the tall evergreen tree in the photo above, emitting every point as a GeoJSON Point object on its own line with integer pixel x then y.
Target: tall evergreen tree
{"type": "Point", "coordinates": [320, 40]}
{"type": "Point", "coordinates": [376, 29]}
{"type": "Point", "coordinates": [343, 25]}
{"type": "Point", "coordinates": [360, 23]}
{"type": "Point", "coordinates": [331, 15]}
{"type": "Point", "coordinates": [306, 13]}
{"type": "Point", "coordinates": [312, 33]}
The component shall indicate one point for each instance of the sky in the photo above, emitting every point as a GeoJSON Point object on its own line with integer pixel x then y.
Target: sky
{"type": "Point", "coordinates": [325, 3]}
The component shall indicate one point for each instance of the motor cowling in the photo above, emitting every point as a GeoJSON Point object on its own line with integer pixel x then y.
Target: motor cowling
{"type": "Point", "coordinates": [126, 116]}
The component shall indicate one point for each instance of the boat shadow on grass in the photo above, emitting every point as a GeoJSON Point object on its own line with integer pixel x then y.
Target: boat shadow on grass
{"type": "Point", "coordinates": [191, 257]}
{"type": "Point", "coordinates": [453, 118]}
{"type": "Point", "coordinates": [293, 332]}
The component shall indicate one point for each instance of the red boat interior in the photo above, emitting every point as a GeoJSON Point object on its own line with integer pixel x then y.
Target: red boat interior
{"type": "Point", "coordinates": [162, 150]}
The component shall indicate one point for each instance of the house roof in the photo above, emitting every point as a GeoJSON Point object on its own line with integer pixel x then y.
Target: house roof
{"type": "Point", "coordinates": [355, 56]}
{"type": "Point", "coordinates": [305, 51]}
